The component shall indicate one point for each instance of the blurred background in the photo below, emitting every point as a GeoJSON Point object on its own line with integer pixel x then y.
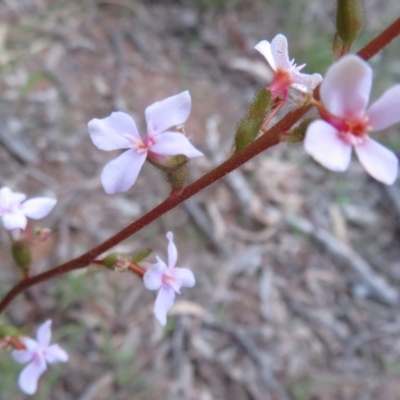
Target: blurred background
{"type": "Point", "coordinates": [297, 268]}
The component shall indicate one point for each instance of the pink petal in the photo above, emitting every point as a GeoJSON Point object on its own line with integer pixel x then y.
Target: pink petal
{"type": "Point", "coordinates": [9, 198]}
{"type": "Point", "coordinates": [30, 344]}
{"type": "Point", "coordinates": [114, 132]}
{"type": "Point", "coordinates": [38, 207]}
{"type": "Point", "coordinates": [378, 161]}
{"type": "Point", "coordinates": [385, 111]}
{"type": "Point", "coordinates": [280, 52]}
{"type": "Point", "coordinates": [324, 145]}
{"type": "Point", "coordinates": [22, 356]}
{"type": "Point", "coordinates": [43, 333]}
{"type": "Point", "coordinates": [174, 143]}
{"type": "Point", "coordinates": [346, 87]}
{"type": "Point", "coordinates": [304, 82]}
{"type": "Point", "coordinates": [264, 47]}
{"type": "Point", "coordinates": [164, 301]}
{"type": "Point", "coordinates": [185, 277]}
{"type": "Point", "coordinates": [172, 251]}
{"type": "Point", "coordinates": [121, 173]}
{"type": "Point", "coordinates": [14, 220]}
{"type": "Point", "coordinates": [167, 113]}
{"type": "Point", "coordinates": [28, 378]}
{"type": "Point", "coordinates": [56, 354]}
{"type": "Point", "coordinates": [153, 276]}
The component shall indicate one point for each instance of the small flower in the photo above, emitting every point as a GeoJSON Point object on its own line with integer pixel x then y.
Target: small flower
{"type": "Point", "coordinates": [345, 94]}
{"type": "Point", "coordinates": [14, 210]}
{"type": "Point", "coordinates": [168, 279]}
{"type": "Point", "coordinates": [119, 131]}
{"type": "Point", "coordinates": [38, 354]}
{"type": "Point", "coordinates": [287, 73]}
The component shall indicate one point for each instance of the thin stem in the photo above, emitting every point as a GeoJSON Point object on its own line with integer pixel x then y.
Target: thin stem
{"type": "Point", "coordinates": [381, 41]}
{"type": "Point", "coordinates": [269, 139]}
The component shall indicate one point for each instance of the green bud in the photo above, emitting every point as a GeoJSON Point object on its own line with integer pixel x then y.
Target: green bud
{"type": "Point", "coordinates": [110, 259]}
{"type": "Point", "coordinates": [297, 134]}
{"type": "Point", "coordinates": [136, 258]}
{"type": "Point", "coordinates": [251, 123]}
{"type": "Point", "coordinates": [175, 170]}
{"type": "Point", "coordinates": [177, 178]}
{"type": "Point", "coordinates": [21, 253]}
{"type": "Point", "coordinates": [349, 21]}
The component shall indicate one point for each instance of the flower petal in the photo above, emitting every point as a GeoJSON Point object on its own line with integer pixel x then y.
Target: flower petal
{"type": "Point", "coordinates": [153, 276]}
{"type": "Point", "coordinates": [185, 277]}
{"type": "Point", "coordinates": [38, 207]}
{"type": "Point", "coordinates": [174, 143]}
{"type": "Point", "coordinates": [167, 113]}
{"type": "Point", "coordinates": [14, 220]}
{"type": "Point", "coordinates": [378, 161]}
{"type": "Point", "coordinates": [164, 301]}
{"type": "Point", "coordinates": [56, 354]}
{"type": "Point", "coordinates": [28, 378]}
{"type": "Point", "coordinates": [324, 145]}
{"type": "Point", "coordinates": [280, 52]}
{"type": "Point", "coordinates": [385, 111]}
{"type": "Point", "coordinates": [264, 47]}
{"type": "Point", "coordinates": [346, 87]}
{"type": "Point", "coordinates": [43, 333]}
{"type": "Point", "coordinates": [8, 198]}
{"type": "Point", "coordinates": [172, 251]}
{"type": "Point", "coordinates": [304, 82]}
{"type": "Point", "coordinates": [30, 344]}
{"type": "Point", "coordinates": [113, 132]}
{"type": "Point", "coordinates": [121, 173]}
{"type": "Point", "coordinates": [22, 356]}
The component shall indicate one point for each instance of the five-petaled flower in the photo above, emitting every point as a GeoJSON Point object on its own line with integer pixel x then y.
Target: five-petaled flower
{"type": "Point", "coordinates": [38, 354]}
{"type": "Point", "coordinates": [14, 210]}
{"type": "Point", "coordinates": [287, 73]}
{"type": "Point", "coordinates": [347, 120]}
{"type": "Point", "coordinates": [168, 279]}
{"type": "Point", "coordinates": [119, 131]}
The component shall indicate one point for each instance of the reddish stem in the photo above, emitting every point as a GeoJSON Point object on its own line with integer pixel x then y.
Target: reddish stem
{"type": "Point", "coordinates": [381, 41]}
{"type": "Point", "coordinates": [264, 142]}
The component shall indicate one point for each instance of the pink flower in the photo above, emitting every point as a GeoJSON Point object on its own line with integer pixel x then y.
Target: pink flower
{"type": "Point", "coordinates": [38, 354]}
{"type": "Point", "coordinates": [345, 94]}
{"type": "Point", "coordinates": [14, 210]}
{"type": "Point", "coordinates": [118, 131]}
{"type": "Point", "coordinates": [168, 279]}
{"type": "Point", "coordinates": [287, 73]}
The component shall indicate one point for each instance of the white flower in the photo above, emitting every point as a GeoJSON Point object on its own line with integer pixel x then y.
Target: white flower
{"type": "Point", "coordinates": [287, 73]}
{"type": "Point", "coordinates": [38, 354]}
{"type": "Point", "coordinates": [14, 210]}
{"type": "Point", "coordinates": [345, 94]}
{"type": "Point", "coordinates": [168, 279]}
{"type": "Point", "coordinates": [119, 131]}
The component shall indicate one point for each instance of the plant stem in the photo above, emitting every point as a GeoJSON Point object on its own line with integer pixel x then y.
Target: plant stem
{"type": "Point", "coordinates": [267, 140]}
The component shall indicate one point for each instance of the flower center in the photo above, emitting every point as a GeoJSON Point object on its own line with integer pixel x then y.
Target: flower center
{"type": "Point", "coordinates": [142, 146]}
{"type": "Point", "coordinates": [281, 82]}
{"type": "Point", "coordinates": [351, 130]}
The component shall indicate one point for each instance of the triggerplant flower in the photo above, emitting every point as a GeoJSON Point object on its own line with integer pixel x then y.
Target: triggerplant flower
{"type": "Point", "coordinates": [345, 94]}
{"type": "Point", "coordinates": [14, 210]}
{"type": "Point", "coordinates": [287, 73]}
{"type": "Point", "coordinates": [119, 131]}
{"type": "Point", "coordinates": [168, 279]}
{"type": "Point", "coordinates": [38, 354]}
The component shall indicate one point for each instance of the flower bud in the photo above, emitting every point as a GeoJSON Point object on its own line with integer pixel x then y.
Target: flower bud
{"type": "Point", "coordinates": [251, 123]}
{"type": "Point", "coordinates": [109, 260]}
{"type": "Point", "coordinates": [349, 21]}
{"type": "Point", "coordinates": [21, 253]}
{"type": "Point", "coordinates": [138, 257]}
